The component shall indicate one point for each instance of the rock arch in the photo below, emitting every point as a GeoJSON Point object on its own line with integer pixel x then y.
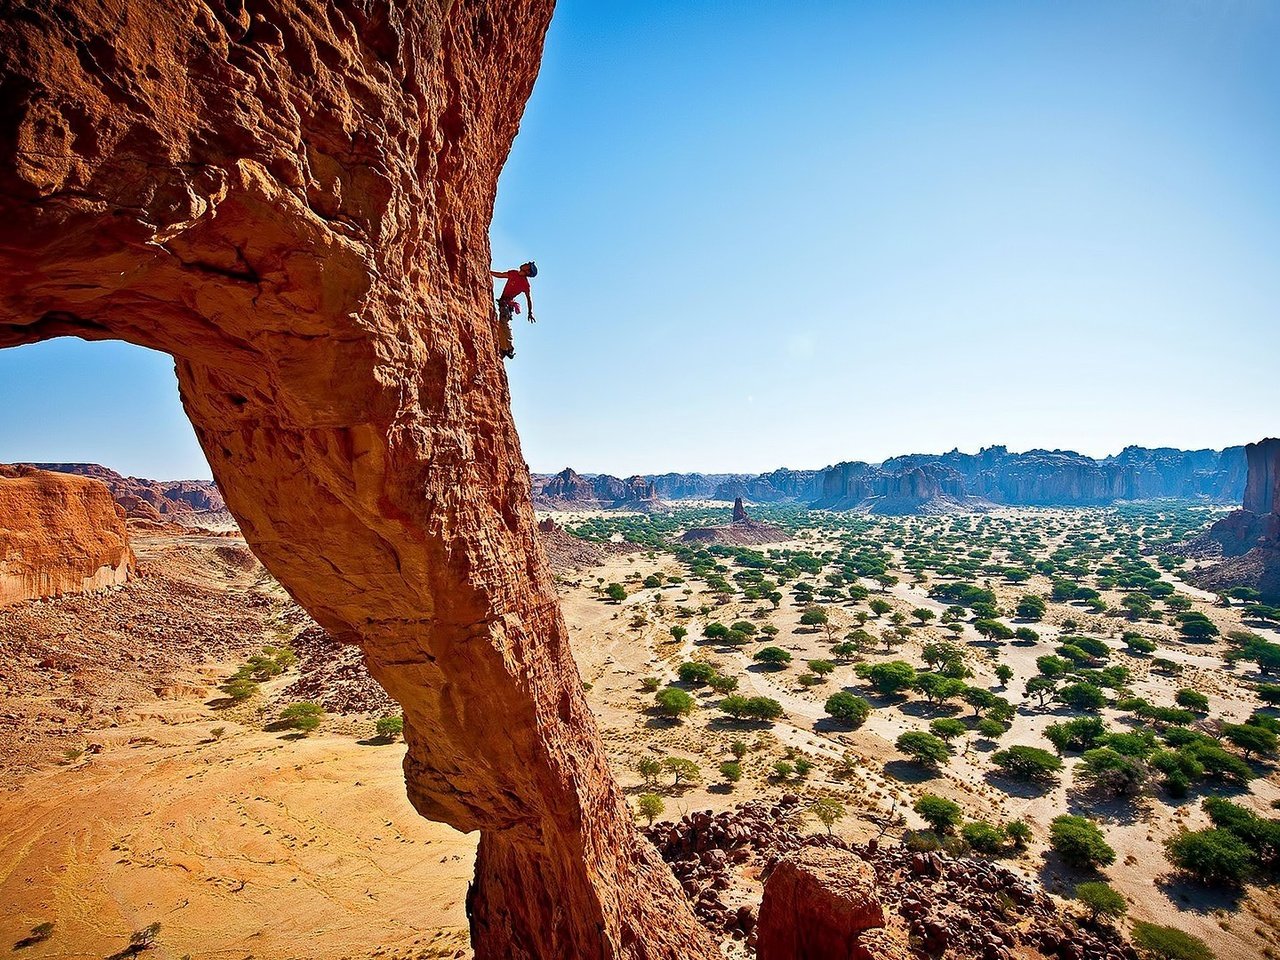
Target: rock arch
{"type": "Point", "coordinates": [292, 198]}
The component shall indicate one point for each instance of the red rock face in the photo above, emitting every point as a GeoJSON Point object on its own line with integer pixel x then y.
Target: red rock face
{"type": "Point", "coordinates": [58, 534]}
{"type": "Point", "coordinates": [293, 199]}
{"type": "Point", "coordinates": [570, 489]}
{"type": "Point", "coordinates": [820, 903]}
{"type": "Point", "coordinates": [145, 499]}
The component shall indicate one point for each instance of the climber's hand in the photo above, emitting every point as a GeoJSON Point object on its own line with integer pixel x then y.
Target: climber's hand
{"type": "Point", "coordinates": [532, 319]}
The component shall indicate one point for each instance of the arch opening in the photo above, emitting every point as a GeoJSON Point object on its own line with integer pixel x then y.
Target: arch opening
{"type": "Point", "coordinates": [262, 191]}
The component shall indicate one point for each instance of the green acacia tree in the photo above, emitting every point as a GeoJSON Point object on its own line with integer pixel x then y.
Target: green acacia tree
{"type": "Point", "coordinates": [1169, 943]}
{"type": "Point", "coordinates": [923, 747]}
{"type": "Point", "coordinates": [682, 769]}
{"type": "Point", "coordinates": [848, 708]}
{"type": "Point", "coordinates": [674, 703]}
{"type": "Point", "coordinates": [828, 811]}
{"type": "Point", "coordinates": [650, 806]}
{"type": "Point", "coordinates": [1101, 900]}
{"type": "Point", "coordinates": [1079, 842]}
{"type": "Point", "coordinates": [941, 814]}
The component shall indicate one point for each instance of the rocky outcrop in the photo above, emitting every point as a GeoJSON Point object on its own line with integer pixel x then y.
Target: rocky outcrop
{"type": "Point", "coordinates": [1247, 541]}
{"type": "Point", "coordinates": [952, 906]}
{"type": "Point", "coordinates": [566, 552]}
{"type": "Point", "coordinates": [569, 490]}
{"type": "Point", "coordinates": [145, 499]}
{"type": "Point", "coordinates": [293, 198]}
{"type": "Point", "coordinates": [818, 903]}
{"type": "Point", "coordinates": [741, 531]}
{"type": "Point", "coordinates": [1262, 489]}
{"type": "Point", "coordinates": [59, 535]}
{"type": "Point", "coordinates": [913, 489]}
{"type": "Point", "coordinates": [778, 486]}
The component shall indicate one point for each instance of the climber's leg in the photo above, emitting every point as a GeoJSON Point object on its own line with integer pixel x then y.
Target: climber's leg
{"type": "Point", "coordinates": [506, 348]}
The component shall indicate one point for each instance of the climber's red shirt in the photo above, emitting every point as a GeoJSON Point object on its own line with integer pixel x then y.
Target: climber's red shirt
{"type": "Point", "coordinates": [517, 283]}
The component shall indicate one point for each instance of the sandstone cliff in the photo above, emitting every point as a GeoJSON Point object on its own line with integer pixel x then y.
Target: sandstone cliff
{"type": "Point", "coordinates": [150, 499]}
{"type": "Point", "coordinates": [775, 487]}
{"type": "Point", "coordinates": [292, 197]}
{"type": "Point", "coordinates": [952, 481]}
{"type": "Point", "coordinates": [569, 490]}
{"type": "Point", "coordinates": [58, 535]}
{"type": "Point", "coordinates": [921, 483]}
{"type": "Point", "coordinates": [1246, 540]}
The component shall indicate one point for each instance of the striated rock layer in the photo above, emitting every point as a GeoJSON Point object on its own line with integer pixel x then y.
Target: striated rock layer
{"type": "Point", "coordinates": [292, 197]}
{"type": "Point", "coordinates": [145, 499]}
{"type": "Point", "coordinates": [58, 535]}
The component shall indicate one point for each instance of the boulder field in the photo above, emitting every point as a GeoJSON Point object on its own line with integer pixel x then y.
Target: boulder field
{"type": "Point", "coordinates": [59, 535]}
{"type": "Point", "coordinates": [292, 198]}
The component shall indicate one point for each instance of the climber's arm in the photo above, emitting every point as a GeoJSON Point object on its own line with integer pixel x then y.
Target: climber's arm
{"type": "Point", "coordinates": [528, 298]}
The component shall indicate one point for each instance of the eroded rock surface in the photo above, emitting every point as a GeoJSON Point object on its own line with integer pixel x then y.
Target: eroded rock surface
{"type": "Point", "coordinates": [145, 499]}
{"type": "Point", "coordinates": [740, 530]}
{"type": "Point", "coordinates": [1246, 540]}
{"type": "Point", "coordinates": [960, 907]}
{"type": "Point", "coordinates": [569, 490]}
{"type": "Point", "coordinates": [293, 199]}
{"type": "Point", "coordinates": [817, 904]}
{"type": "Point", "coordinates": [59, 535]}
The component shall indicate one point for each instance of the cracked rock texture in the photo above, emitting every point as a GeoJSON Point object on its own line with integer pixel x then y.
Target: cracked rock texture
{"type": "Point", "coordinates": [59, 535]}
{"type": "Point", "coordinates": [293, 198]}
{"type": "Point", "coordinates": [817, 903]}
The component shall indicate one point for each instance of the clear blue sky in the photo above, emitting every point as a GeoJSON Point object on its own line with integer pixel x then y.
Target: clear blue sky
{"type": "Point", "coordinates": [790, 234]}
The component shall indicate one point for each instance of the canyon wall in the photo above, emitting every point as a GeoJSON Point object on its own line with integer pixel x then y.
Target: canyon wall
{"type": "Point", "coordinates": [1047, 478]}
{"type": "Point", "coordinates": [149, 499]}
{"type": "Point", "coordinates": [1262, 490]}
{"type": "Point", "coordinates": [569, 490]}
{"type": "Point", "coordinates": [292, 197]}
{"type": "Point", "coordinates": [59, 534]}
{"type": "Point", "coordinates": [1246, 542]}
{"type": "Point", "coordinates": [950, 481]}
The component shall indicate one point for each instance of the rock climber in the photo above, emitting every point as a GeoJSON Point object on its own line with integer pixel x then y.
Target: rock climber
{"type": "Point", "coordinates": [517, 283]}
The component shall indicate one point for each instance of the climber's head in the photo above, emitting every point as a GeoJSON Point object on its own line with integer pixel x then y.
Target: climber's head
{"type": "Point", "coordinates": [529, 269]}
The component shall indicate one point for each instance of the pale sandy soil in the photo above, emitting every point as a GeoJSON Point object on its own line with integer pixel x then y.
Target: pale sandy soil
{"type": "Point", "coordinates": [249, 845]}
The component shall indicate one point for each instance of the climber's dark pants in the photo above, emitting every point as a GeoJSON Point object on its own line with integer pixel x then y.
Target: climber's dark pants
{"type": "Point", "coordinates": [505, 343]}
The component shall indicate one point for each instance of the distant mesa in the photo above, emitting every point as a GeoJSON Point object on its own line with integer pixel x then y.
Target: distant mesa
{"type": "Point", "coordinates": [741, 530]}
{"type": "Point", "coordinates": [953, 482]}
{"type": "Point", "coordinates": [181, 501]}
{"type": "Point", "coordinates": [1246, 542]}
{"type": "Point", "coordinates": [59, 534]}
{"type": "Point", "coordinates": [570, 490]}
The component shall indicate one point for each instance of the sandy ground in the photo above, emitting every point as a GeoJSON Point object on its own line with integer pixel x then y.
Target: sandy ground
{"type": "Point", "coordinates": [251, 844]}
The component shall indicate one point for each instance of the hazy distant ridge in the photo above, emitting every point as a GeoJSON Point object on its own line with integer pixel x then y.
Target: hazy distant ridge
{"type": "Point", "coordinates": [955, 480]}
